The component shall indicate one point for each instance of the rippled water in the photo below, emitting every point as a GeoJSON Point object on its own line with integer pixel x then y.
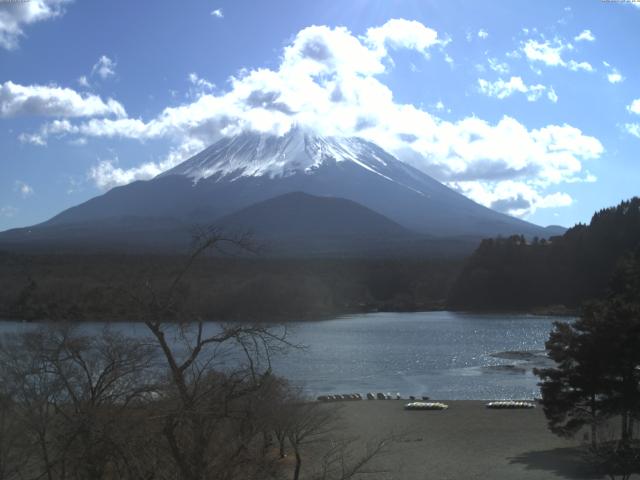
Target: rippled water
{"type": "Point", "coordinates": [443, 355]}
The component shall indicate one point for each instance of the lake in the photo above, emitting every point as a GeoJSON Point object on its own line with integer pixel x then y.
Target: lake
{"type": "Point", "coordinates": [443, 355]}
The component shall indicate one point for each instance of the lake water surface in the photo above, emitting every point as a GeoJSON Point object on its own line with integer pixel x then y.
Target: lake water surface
{"type": "Point", "coordinates": [444, 355]}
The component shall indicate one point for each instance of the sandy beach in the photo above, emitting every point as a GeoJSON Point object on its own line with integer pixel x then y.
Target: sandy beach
{"type": "Point", "coordinates": [467, 441]}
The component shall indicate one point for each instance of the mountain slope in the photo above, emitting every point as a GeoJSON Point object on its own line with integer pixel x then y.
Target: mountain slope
{"type": "Point", "coordinates": [249, 168]}
{"type": "Point", "coordinates": [302, 215]}
{"type": "Point", "coordinates": [239, 171]}
{"type": "Point", "coordinates": [297, 223]}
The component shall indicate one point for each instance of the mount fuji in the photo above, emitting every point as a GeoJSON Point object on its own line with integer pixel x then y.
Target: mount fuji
{"type": "Point", "coordinates": [238, 181]}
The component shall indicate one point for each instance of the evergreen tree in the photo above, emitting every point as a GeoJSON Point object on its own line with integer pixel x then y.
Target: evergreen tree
{"type": "Point", "coordinates": [597, 374]}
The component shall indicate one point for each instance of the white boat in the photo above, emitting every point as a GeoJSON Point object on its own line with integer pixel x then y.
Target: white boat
{"type": "Point", "coordinates": [426, 406]}
{"type": "Point", "coordinates": [504, 404]}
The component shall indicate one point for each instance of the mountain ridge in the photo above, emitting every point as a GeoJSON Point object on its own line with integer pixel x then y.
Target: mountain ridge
{"type": "Point", "coordinates": [237, 172]}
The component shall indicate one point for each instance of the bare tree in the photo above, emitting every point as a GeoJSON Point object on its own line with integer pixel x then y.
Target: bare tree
{"type": "Point", "coordinates": [34, 392]}
{"type": "Point", "coordinates": [204, 400]}
{"type": "Point", "coordinates": [342, 462]}
{"type": "Point", "coordinates": [273, 409]}
{"type": "Point", "coordinates": [12, 440]}
{"type": "Point", "coordinates": [101, 375]}
{"type": "Point", "coordinates": [314, 428]}
{"type": "Point", "coordinates": [308, 422]}
{"type": "Point", "coordinates": [72, 392]}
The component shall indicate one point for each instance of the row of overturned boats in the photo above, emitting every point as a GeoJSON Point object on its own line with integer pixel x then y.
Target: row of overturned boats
{"type": "Point", "coordinates": [424, 404]}
{"type": "Point", "coordinates": [368, 396]}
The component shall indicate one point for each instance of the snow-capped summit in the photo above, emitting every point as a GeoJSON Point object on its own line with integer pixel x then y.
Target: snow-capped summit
{"type": "Point", "coordinates": [253, 154]}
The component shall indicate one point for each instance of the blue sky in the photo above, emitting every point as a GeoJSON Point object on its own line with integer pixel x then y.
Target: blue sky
{"type": "Point", "coordinates": [532, 108]}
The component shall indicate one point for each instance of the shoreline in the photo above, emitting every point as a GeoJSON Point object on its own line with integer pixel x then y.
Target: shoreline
{"type": "Point", "coordinates": [537, 312]}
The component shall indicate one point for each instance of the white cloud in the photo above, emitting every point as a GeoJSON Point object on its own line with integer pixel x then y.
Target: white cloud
{"type": "Point", "coordinates": [550, 54]}
{"type": "Point", "coordinates": [194, 79]}
{"type": "Point", "coordinates": [575, 66]}
{"type": "Point", "coordinates": [260, 97]}
{"type": "Point", "coordinates": [107, 174]}
{"type": "Point", "coordinates": [217, 13]}
{"type": "Point", "coordinates": [14, 16]}
{"type": "Point", "coordinates": [552, 95]}
{"type": "Point", "coordinates": [56, 127]}
{"type": "Point", "coordinates": [475, 150]}
{"type": "Point", "coordinates": [482, 34]}
{"type": "Point", "coordinates": [554, 200]}
{"type": "Point", "coordinates": [83, 81]}
{"type": "Point", "coordinates": [615, 77]}
{"type": "Point", "coordinates": [633, 129]}
{"type": "Point", "coordinates": [514, 54]}
{"type": "Point", "coordinates": [501, 89]}
{"type": "Point", "coordinates": [104, 67]}
{"type": "Point", "coordinates": [23, 188]}
{"type": "Point", "coordinates": [585, 36]}
{"type": "Point", "coordinates": [33, 139]}
{"type": "Point", "coordinates": [545, 52]}
{"type": "Point", "coordinates": [401, 33]}
{"type": "Point", "coordinates": [199, 86]}
{"type": "Point", "coordinates": [497, 66]}
{"type": "Point", "coordinates": [512, 197]}
{"type": "Point", "coordinates": [41, 100]}
{"type": "Point", "coordinates": [331, 81]}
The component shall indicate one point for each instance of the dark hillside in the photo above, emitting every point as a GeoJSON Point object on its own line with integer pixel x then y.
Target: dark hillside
{"type": "Point", "coordinates": [512, 273]}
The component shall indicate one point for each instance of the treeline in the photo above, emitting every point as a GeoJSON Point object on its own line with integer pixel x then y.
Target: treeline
{"type": "Point", "coordinates": [515, 274]}
{"type": "Point", "coordinates": [104, 287]}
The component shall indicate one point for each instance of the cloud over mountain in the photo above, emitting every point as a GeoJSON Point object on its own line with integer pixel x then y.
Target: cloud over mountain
{"type": "Point", "coordinates": [332, 81]}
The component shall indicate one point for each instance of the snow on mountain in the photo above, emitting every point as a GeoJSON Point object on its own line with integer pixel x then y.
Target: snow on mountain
{"type": "Point", "coordinates": [255, 155]}
{"type": "Point", "coordinates": [265, 165]}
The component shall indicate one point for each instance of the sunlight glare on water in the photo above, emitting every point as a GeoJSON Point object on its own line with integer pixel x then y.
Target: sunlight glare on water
{"type": "Point", "coordinates": [443, 355]}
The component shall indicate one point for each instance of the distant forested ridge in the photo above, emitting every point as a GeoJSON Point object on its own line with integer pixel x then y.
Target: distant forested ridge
{"type": "Point", "coordinates": [102, 287]}
{"type": "Point", "coordinates": [515, 274]}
